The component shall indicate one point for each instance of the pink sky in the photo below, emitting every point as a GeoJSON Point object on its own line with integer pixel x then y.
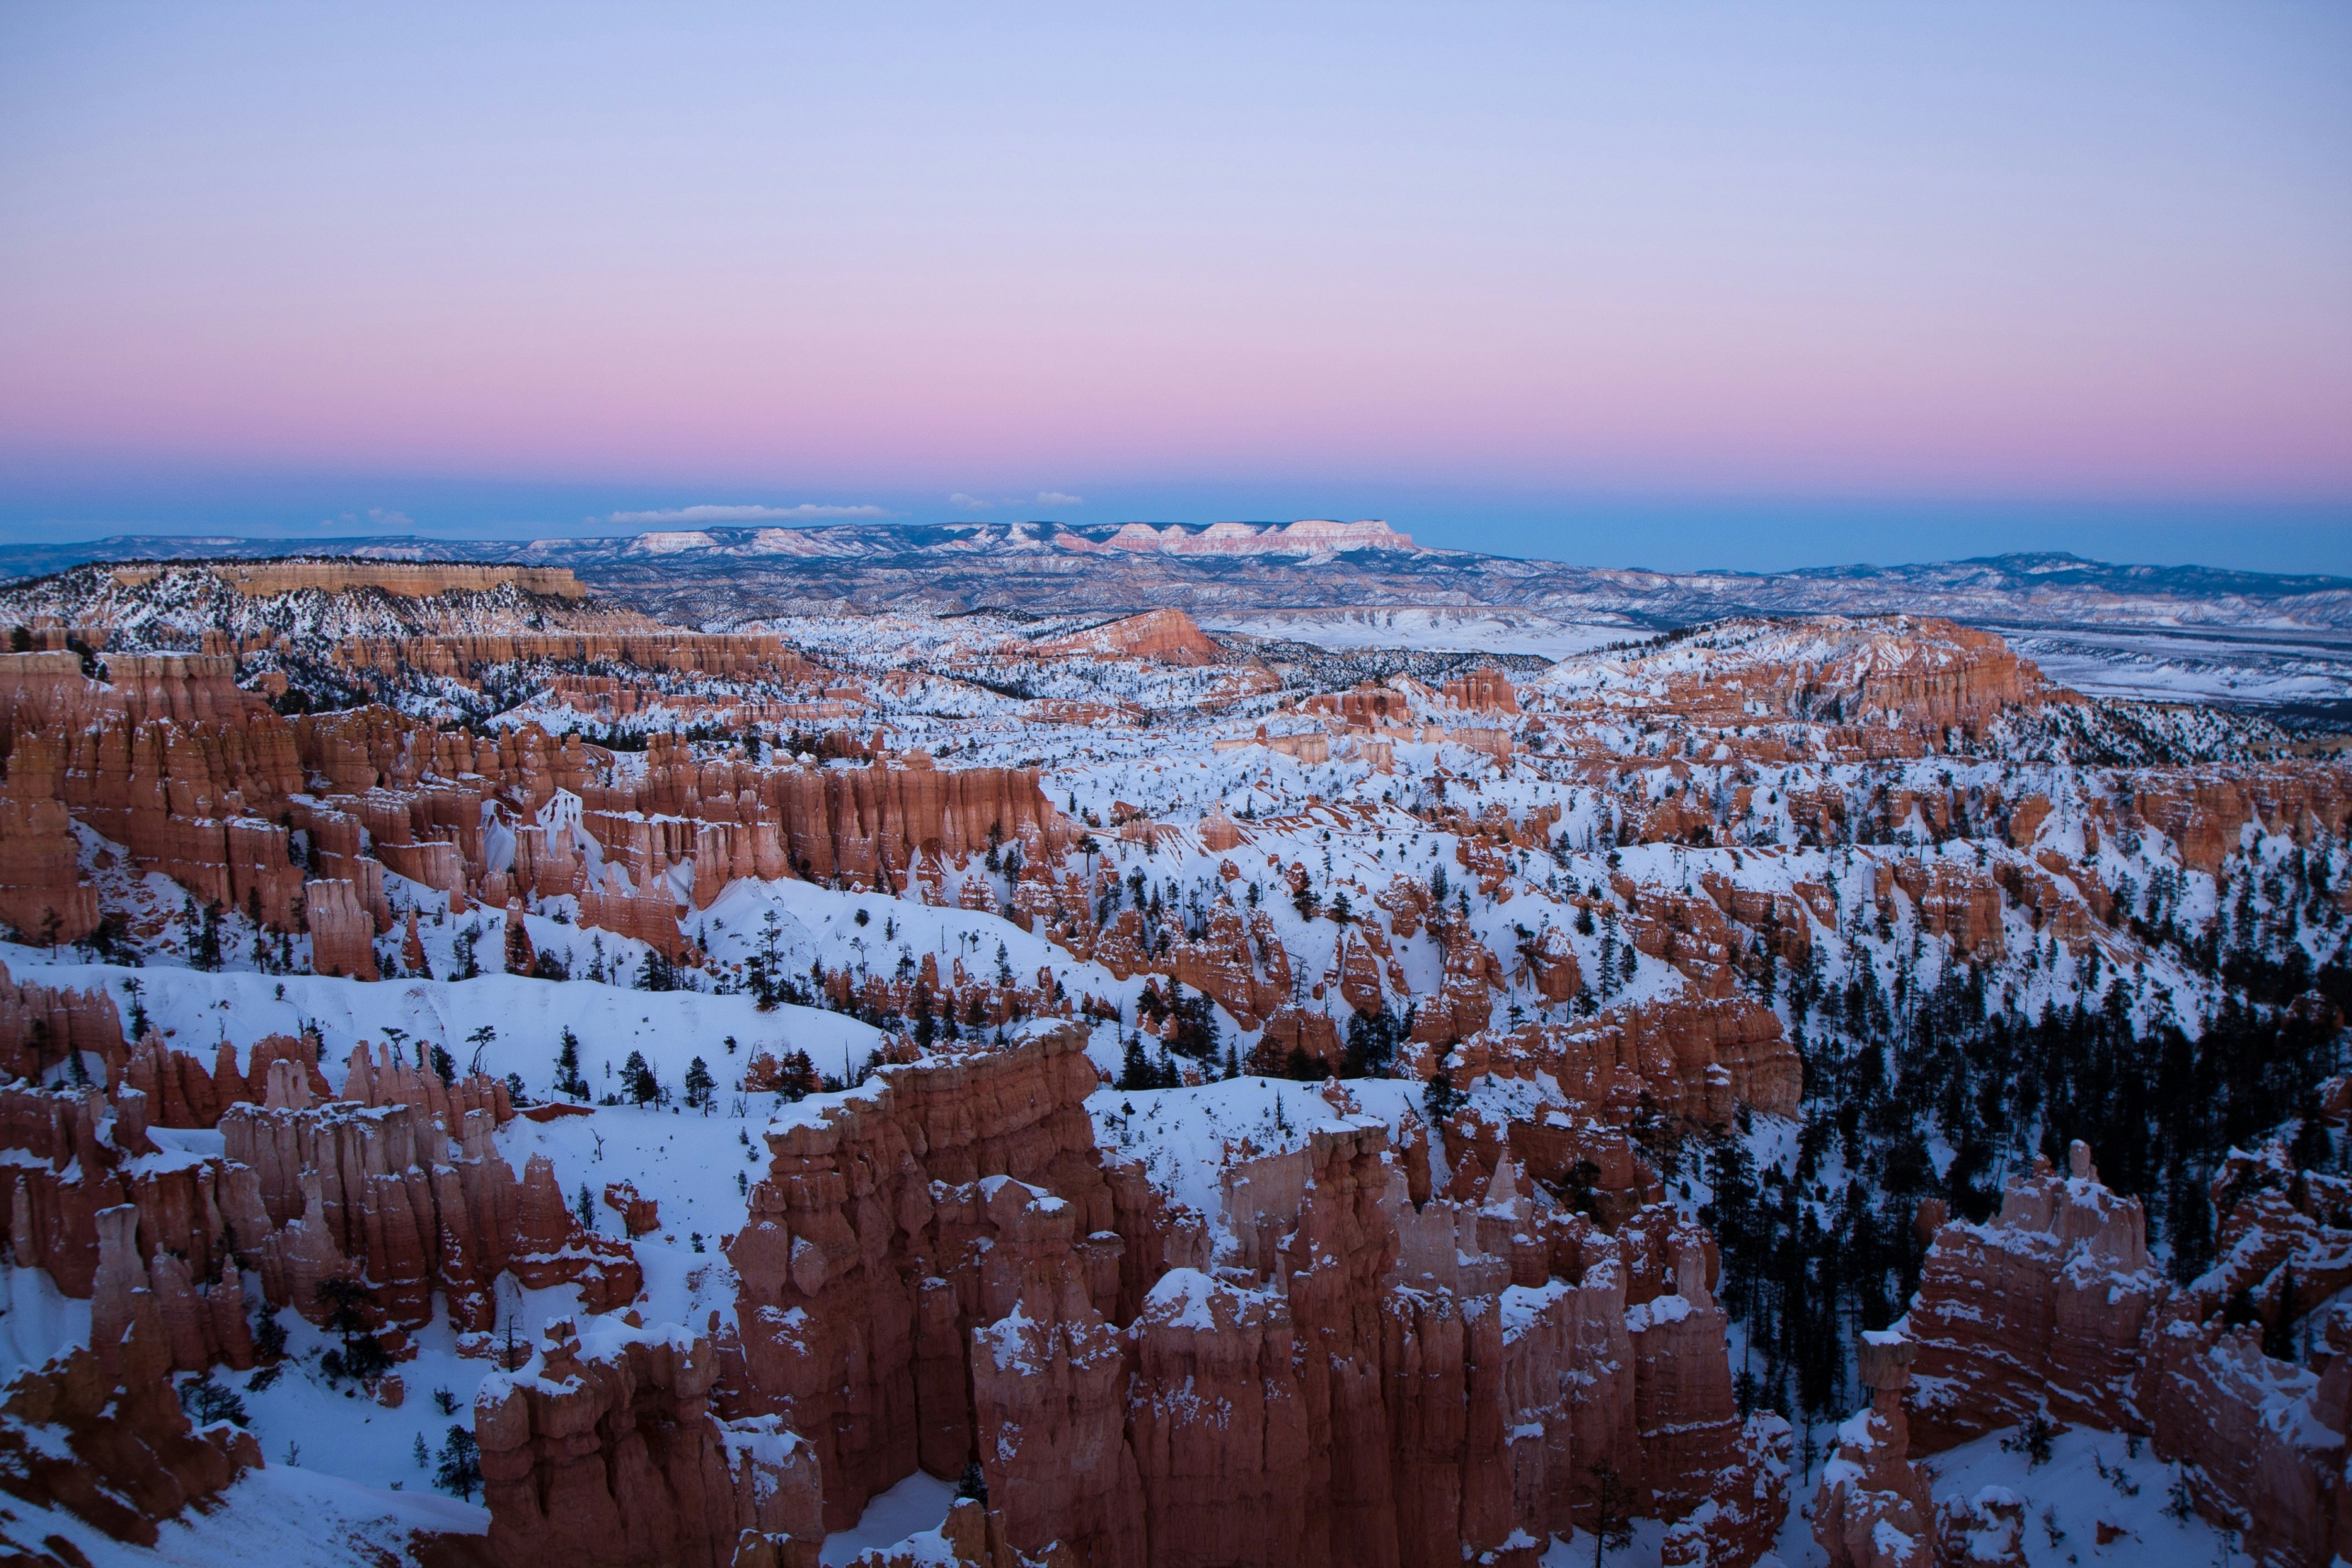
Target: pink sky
{"type": "Point", "coordinates": [1839, 252]}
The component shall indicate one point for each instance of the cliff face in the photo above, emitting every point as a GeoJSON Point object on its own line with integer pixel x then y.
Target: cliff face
{"type": "Point", "coordinates": [198, 779]}
{"type": "Point", "coordinates": [397, 1183]}
{"type": "Point", "coordinates": [1699, 1059]}
{"type": "Point", "coordinates": [1163, 637]}
{"type": "Point", "coordinates": [647, 648]}
{"type": "Point", "coordinates": [2059, 1280]}
{"type": "Point", "coordinates": [113, 1450]}
{"type": "Point", "coordinates": [610, 1456]}
{"type": "Point", "coordinates": [938, 1269]}
{"type": "Point", "coordinates": [413, 580]}
{"type": "Point", "coordinates": [2052, 1308]}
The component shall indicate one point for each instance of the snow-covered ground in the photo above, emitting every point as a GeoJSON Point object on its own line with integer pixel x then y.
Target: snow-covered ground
{"type": "Point", "coordinates": [1434, 628]}
{"type": "Point", "coordinates": [281, 1514]}
{"type": "Point", "coordinates": [1182, 1135]}
{"type": "Point", "coordinates": [2185, 667]}
{"type": "Point", "coordinates": [2094, 1484]}
{"type": "Point", "coordinates": [914, 1507]}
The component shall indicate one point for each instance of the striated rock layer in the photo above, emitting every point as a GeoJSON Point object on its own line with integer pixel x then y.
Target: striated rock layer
{"type": "Point", "coordinates": [940, 1270]}
{"type": "Point", "coordinates": [610, 1457]}
{"type": "Point", "coordinates": [2053, 1309]}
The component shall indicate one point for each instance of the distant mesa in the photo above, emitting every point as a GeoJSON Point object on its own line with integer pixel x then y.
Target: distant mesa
{"type": "Point", "coordinates": [1309, 536]}
{"type": "Point", "coordinates": [259, 579]}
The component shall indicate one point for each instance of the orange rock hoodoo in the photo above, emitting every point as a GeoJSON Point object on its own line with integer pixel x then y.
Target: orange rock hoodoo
{"type": "Point", "coordinates": [1164, 636]}
{"type": "Point", "coordinates": [941, 1268]}
{"type": "Point", "coordinates": [611, 1456]}
{"type": "Point", "coordinates": [2054, 1306]}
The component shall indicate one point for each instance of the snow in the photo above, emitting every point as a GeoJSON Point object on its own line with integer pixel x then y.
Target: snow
{"type": "Point", "coordinates": [1437, 628]}
{"type": "Point", "coordinates": [1181, 1300]}
{"type": "Point", "coordinates": [37, 1322]}
{"type": "Point", "coordinates": [918, 1504]}
{"type": "Point", "coordinates": [280, 1513]}
{"type": "Point", "coordinates": [195, 1010]}
{"type": "Point", "coordinates": [2070, 1495]}
{"type": "Point", "coordinates": [1180, 1134]}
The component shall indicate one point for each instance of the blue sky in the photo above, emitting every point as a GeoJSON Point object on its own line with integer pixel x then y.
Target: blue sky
{"type": "Point", "coordinates": [1700, 285]}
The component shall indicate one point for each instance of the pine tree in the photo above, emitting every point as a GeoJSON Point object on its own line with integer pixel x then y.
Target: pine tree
{"type": "Point", "coordinates": [699, 1084]}
{"type": "Point", "coordinates": [1613, 1511]}
{"type": "Point", "coordinates": [1135, 1069]}
{"type": "Point", "coordinates": [460, 1470]}
{"type": "Point", "coordinates": [638, 1080]}
{"type": "Point", "coordinates": [568, 1079]}
{"type": "Point", "coordinates": [1438, 1100]}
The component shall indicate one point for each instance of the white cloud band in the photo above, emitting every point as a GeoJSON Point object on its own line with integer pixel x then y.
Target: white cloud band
{"type": "Point", "coordinates": [805, 512]}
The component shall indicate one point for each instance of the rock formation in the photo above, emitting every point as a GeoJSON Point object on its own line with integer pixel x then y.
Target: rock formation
{"type": "Point", "coordinates": [114, 1450]}
{"type": "Point", "coordinates": [413, 580]}
{"type": "Point", "coordinates": [2051, 1310]}
{"type": "Point", "coordinates": [610, 1456]}
{"type": "Point", "coordinates": [939, 1269]}
{"type": "Point", "coordinates": [1874, 1510]}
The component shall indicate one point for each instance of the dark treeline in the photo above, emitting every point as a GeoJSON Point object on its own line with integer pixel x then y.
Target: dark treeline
{"type": "Point", "coordinates": [1902, 1078]}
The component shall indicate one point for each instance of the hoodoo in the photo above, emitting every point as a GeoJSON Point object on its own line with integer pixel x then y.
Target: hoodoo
{"type": "Point", "coordinates": [1000, 1091]}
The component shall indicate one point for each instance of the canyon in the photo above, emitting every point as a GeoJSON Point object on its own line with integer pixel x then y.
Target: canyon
{"type": "Point", "coordinates": [566, 1085]}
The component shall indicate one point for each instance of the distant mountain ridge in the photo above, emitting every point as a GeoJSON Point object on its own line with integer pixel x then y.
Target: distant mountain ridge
{"type": "Point", "coordinates": [732, 575]}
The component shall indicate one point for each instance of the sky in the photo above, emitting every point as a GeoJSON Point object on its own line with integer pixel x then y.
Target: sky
{"type": "Point", "coordinates": [1675, 286]}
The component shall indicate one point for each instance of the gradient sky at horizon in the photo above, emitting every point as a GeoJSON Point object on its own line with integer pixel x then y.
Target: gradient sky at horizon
{"type": "Point", "coordinates": [1673, 286]}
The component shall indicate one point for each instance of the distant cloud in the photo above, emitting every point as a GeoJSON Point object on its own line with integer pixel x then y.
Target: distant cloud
{"type": "Point", "coordinates": [375, 518]}
{"type": "Point", "coordinates": [1055, 498]}
{"type": "Point", "coordinates": [806, 512]}
{"type": "Point", "coordinates": [970, 503]}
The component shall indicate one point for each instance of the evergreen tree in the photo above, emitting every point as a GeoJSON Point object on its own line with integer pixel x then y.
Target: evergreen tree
{"type": "Point", "coordinates": [459, 1472]}
{"type": "Point", "coordinates": [699, 1084]}
{"type": "Point", "coordinates": [1613, 1511]}
{"type": "Point", "coordinates": [1135, 1069]}
{"type": "Point", "coordinates": [1438, 1100]}
{"type": "Point", "coordinates": [568, 1078]}
{"type": "Point", "coordinates": [637, 1081]}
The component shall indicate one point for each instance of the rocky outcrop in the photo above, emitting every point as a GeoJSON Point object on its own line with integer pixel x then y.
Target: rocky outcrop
{"type": "Point", "coordinates": [114, 1450]}
{"type": "Point", "coordinates": [374, 1186]}
{"type": "Point", "coordinates": [41, 1025]}
{"type": "Point", "coordinates": [413, 580]}
{"type": "Point", "coordinates": [197, 1323]}
{"type": "Point", "coordinates": [862, 1287]}
{"type": "Point", "coordinates": [1874, 1510]}
{"type": "Point", "coordinates": [342, 931]}
{"type": "Point", "coordinates": [1698, 1059]}
{"type": "Point", "coordinates": [2051, 1310]}
{"type": "Point", "coordinates": [42, 895]}
{"type": "Point", "coordinates": [727, 655]}
{"type": "Point", "coordinates": [2042, 1310]}
{"type": "Point", "coordinates": [609, 1455]}
{"type": "Point", "coordinates": [939, 1269]}
{"type": "Point", "coordinates": [1162, 636]}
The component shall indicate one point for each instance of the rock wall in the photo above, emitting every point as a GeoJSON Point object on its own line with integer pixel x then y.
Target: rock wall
{"type": "Point", "coordinates": [2044, 1307]}
{"type": "Point", "coordinates": [1163, 637]}
{"type": "Point", "coordinates": [375, 1186]}
{"type": "Point", "coordinates": [1698, 1059]}
{"type": "Point", "coordinates": [2051, 1308]}
{"type": "Point", "coordinates": [610, 1457]}
{"type": "Point", "coordinates": [116, 1452]}
{"type": "Point", "coordinates": [939, 1269]}
{"type": "Point", "coordinates": [415, 580]}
